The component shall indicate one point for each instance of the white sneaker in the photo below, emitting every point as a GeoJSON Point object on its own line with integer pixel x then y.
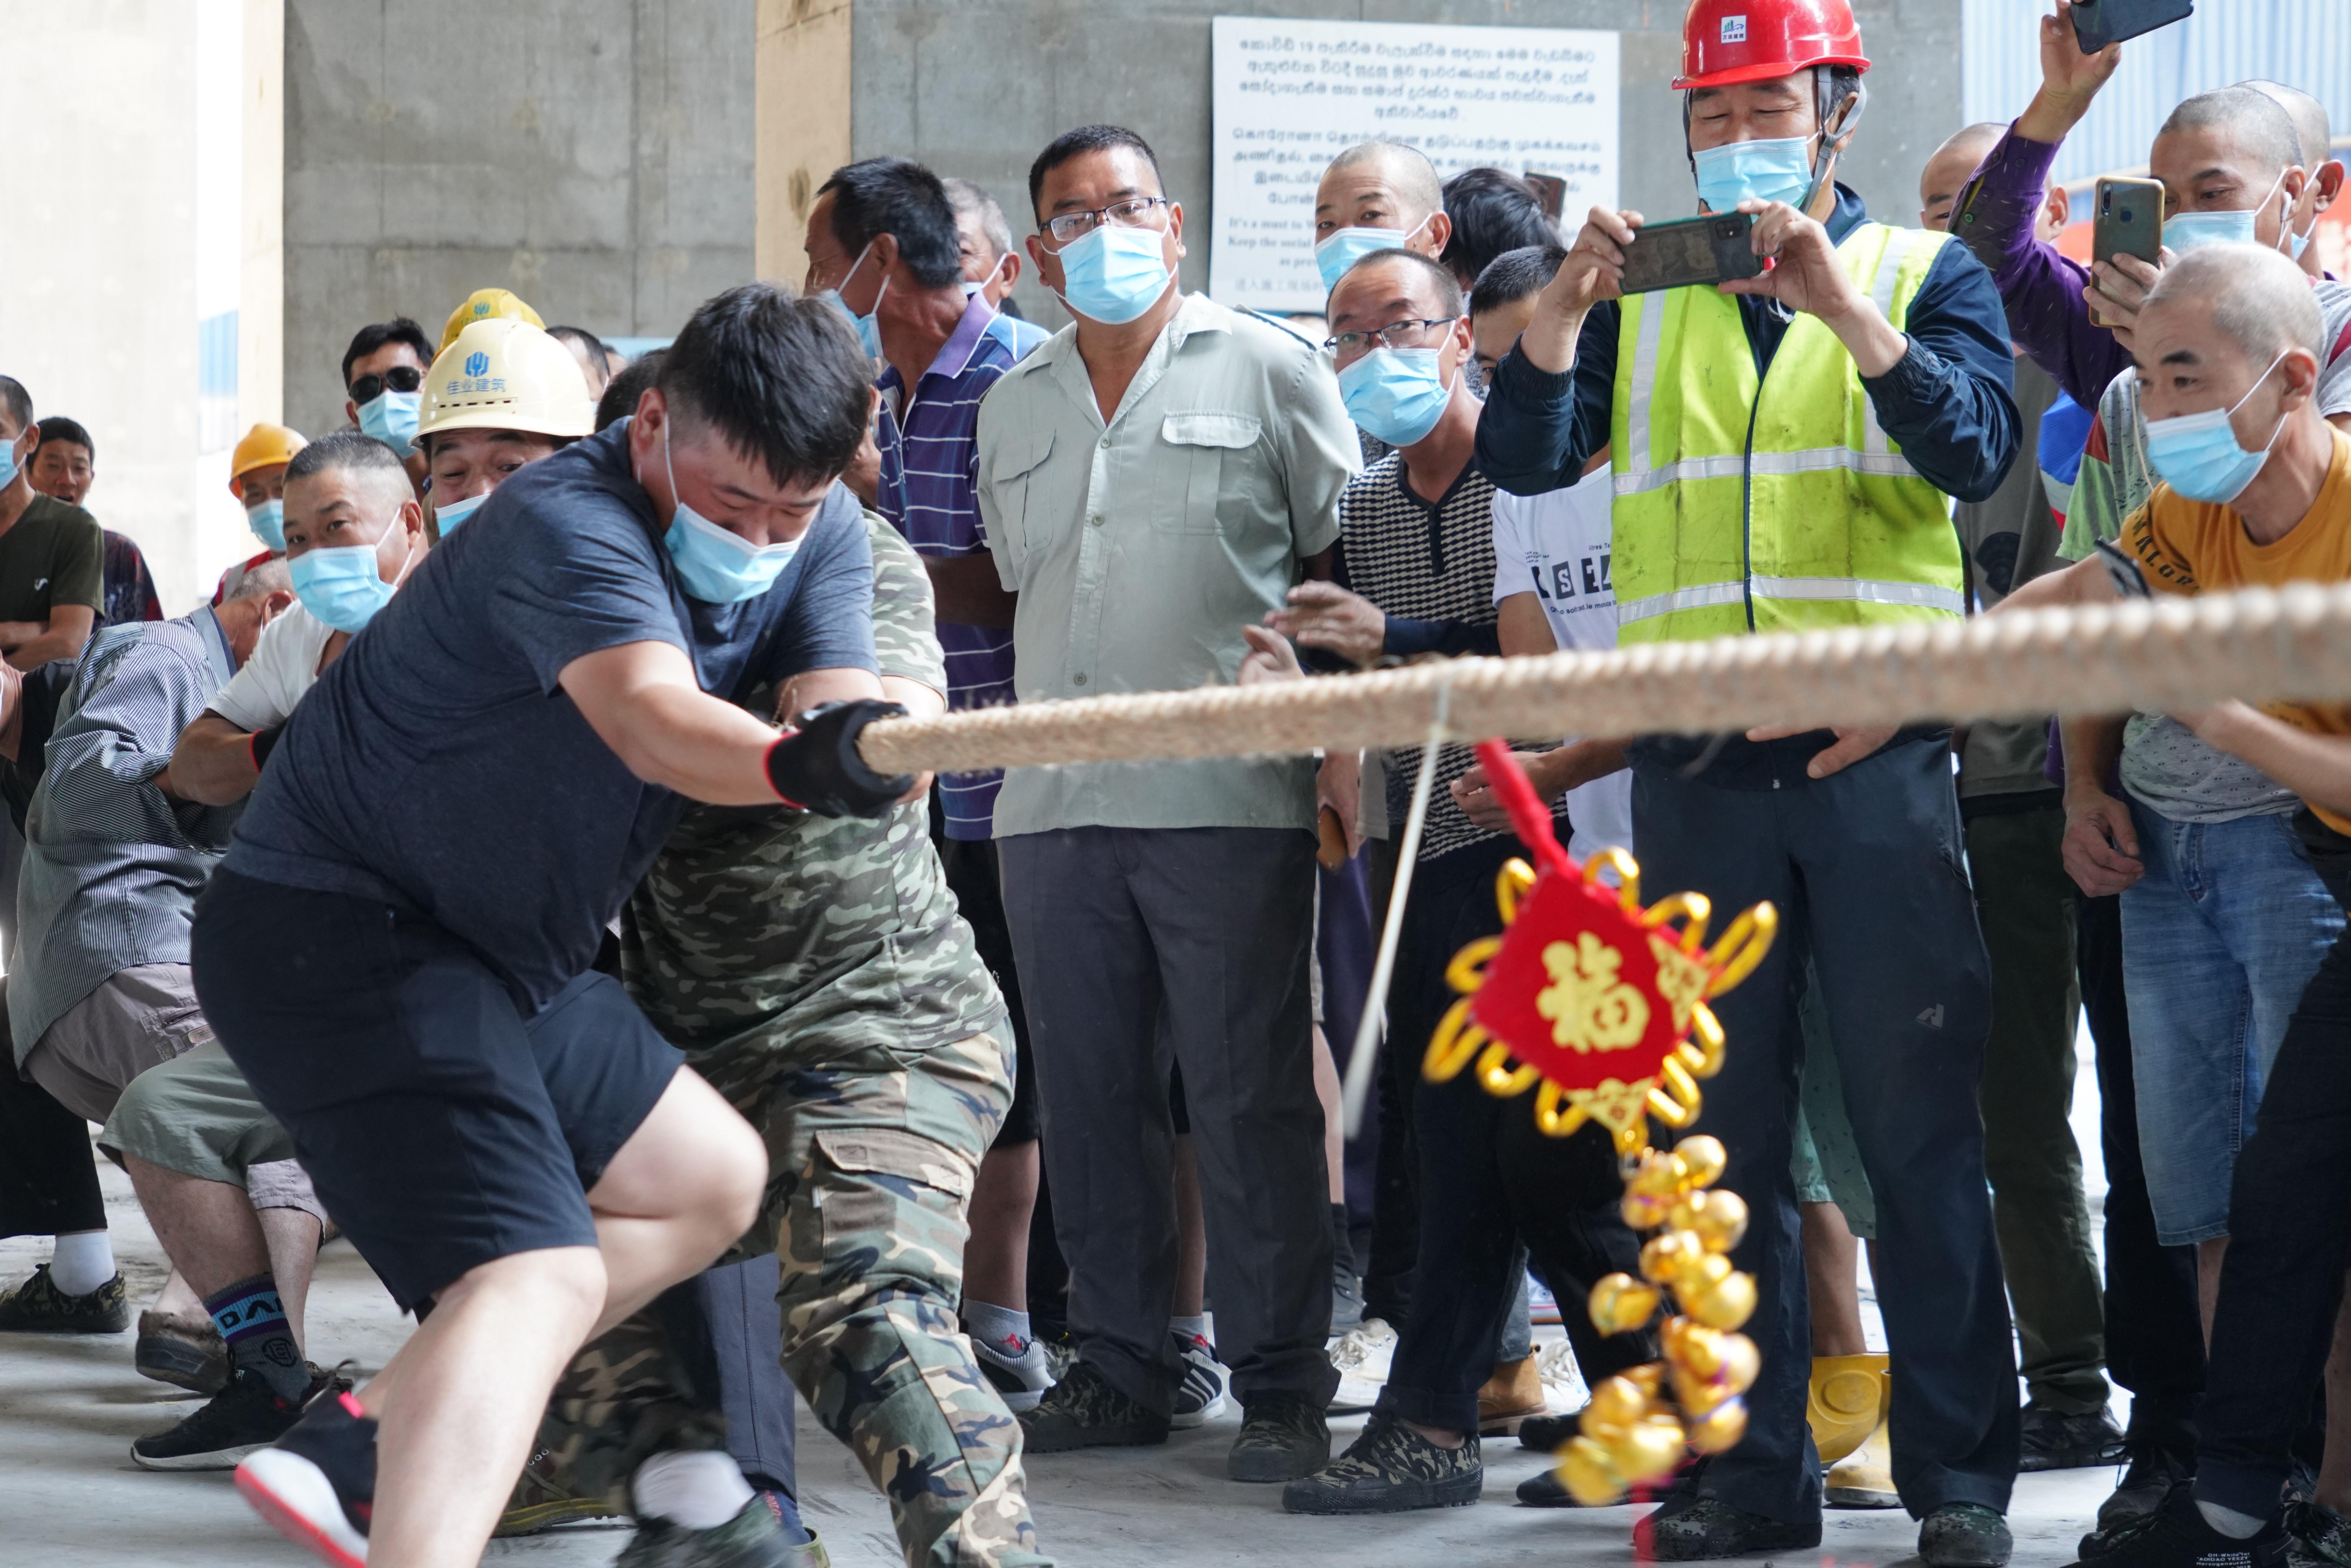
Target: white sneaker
{"type": "Point", "coordinates": [1363, 1356]}
{"type": "Point", "coordinates": [1562, 1379]}
{"type": "Point", "coordinates": [1200, 1399]}
{"type": "Point", "coordinates": [1022, 1379]}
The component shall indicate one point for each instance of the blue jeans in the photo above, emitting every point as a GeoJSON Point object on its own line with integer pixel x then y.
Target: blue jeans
{"type": "Point", "coordinates": [2219, 937]}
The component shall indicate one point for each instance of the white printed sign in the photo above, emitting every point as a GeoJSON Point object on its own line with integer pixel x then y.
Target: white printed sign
{"type": "Point", "coordinates": [1290, 96]}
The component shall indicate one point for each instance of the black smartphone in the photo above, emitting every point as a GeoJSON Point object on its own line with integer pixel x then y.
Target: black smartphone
{"type": "Point", "coordinates": [2098, 22]}
{"type": "Point", "coordinates": [2129, 580]}
{"type": "Point", "coordinates": [1714, 248]}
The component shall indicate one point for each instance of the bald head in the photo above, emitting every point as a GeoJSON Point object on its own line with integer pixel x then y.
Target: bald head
{"type": "Point", "coordinates": [2308, 115]}
{"type": "Point", "coordinates": [2250, 294]}
{"type": "Point", "coordinates": [1383, 185]}
{"type": "Point", "coordinates": [1948, 168]}
{"type": "Point", "coordinates": [2254, 120]}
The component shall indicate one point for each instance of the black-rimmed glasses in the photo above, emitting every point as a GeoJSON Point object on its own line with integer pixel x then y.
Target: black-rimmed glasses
{"type": "Point", "coordinates": [1134, 212]}
{"type": "Point", "coordinates": [1394, 335]}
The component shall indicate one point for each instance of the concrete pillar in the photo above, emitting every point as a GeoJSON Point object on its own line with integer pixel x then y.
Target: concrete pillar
{"type": "Point", "coordinates": [261, 293]}
{"type": "Point", "coordinates": [801, 81]}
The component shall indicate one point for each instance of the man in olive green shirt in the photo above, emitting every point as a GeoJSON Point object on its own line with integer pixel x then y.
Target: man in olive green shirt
{"type": "Point", "coordinates": [52, 554]}
{"type": "Point", "coordinates": [1150, 481]}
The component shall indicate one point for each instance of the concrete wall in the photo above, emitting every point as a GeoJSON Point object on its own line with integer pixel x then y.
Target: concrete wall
{"type": "Point", "coordinates": [594, 156]}
{"type": "Point", "coordinates": [975, 88]}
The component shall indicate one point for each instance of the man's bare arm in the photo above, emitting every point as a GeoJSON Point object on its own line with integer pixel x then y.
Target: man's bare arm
{"type": "Point", "coordinates": [213, 764]}
{"type": "Point", "coordinates": [63, 636]}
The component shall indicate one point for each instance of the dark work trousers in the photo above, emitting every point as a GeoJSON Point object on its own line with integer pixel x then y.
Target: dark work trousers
{"type": "Point", "coordinates": [48, 1180]}
{"type": "Point", "coordinates": [741, 1325]}
{"type": "Point", "coordinates": [2025, 902]}
{"type": "Point", "coordinates": [2289, 1236]}
{"type": "Point", "coordinates": [2155, 1339]}
{"type": "Point", "coordinates": [1389, 1268]}
{"type": "Point", "coordinates": [1119, 931]}
{"type": "Point", "coordinates": [1489, 1178]}
{"type": "Point", "coordinates": [1865, 867]}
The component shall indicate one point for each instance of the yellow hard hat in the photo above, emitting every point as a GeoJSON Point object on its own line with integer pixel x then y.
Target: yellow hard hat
{"type": "Point", "coordinates": [504, 374]}
{"type": "Point", "coordinates": [262, 445]}
{"type": "Point", "coordinates": [485, 305]}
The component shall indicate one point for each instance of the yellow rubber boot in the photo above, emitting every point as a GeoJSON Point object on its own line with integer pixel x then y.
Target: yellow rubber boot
{"type": "Point", "coordinates": [1847, 1401]}
{"type": "Point", "coordinates": [1866, 1478]}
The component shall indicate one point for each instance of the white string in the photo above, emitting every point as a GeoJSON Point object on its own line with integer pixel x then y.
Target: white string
{"type": "Point", "coordinates": [1375, 1012]}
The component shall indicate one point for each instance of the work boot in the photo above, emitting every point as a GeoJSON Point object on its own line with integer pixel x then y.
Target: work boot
{"type": "Point", "coordinates": [2317, 1537]}
{"type": "Point", "coordinates": [38, 1306]}
{"type": "Point", "coordinates": [1083, 1411]}
{"type": "Point", "coordinates": [1964, 1535]}
{"type": "Point", "coordinates": [1514, 1393]}
{"type": "Point", "coordinates": [186, 1352]}
{"type": "Point", "coordinates": [542, 1499]}
{"type": "Point", "coordinates": [1864, 1477]}
{"type": "Point", "coordinates": [2154, 1474]}
{"type": "Point", "coordinates": [1284, 1437]}
{"type": "Point", "coordinates": [752, 1539]}
{"type": "Point", "coordinates": [2051, 1441]}
{"type": "Point", "coordinates": [1849, 1397]}
{"type": "Point", "coordinates": [1545, 1490]}
{"type": "Point", "coordinates": [1689, 1529]}
{"type": "Point", "coordinates": [2178, 1535]}
{"type": "Point", "coordinates": [1391, 1469]}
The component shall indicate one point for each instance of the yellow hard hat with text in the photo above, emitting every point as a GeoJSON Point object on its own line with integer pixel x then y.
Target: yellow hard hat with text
{"type": "Point", "coordinates": [486, 304]}
{"type": "Point", "coordinates": [504, 374]}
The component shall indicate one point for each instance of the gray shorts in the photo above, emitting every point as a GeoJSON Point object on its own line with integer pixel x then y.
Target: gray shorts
{"type": "Point", "coordinates": [138, 1018]}
{"type": "Point", "coordinates": [195, 1115]}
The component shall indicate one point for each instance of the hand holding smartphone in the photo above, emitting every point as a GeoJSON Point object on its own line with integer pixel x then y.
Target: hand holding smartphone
{"type": "Point", "coordinates": [2098, 23]}
{"type": "Point", "coordinates": [1716, 247]}
{"type": "Point", "coordinates": [2127, 220]}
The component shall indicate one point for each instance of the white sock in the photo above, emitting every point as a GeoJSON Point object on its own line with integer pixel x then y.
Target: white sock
{"type": "Point", "coordinates": [2229, 1521]}
{"type": "Point", "coordinates": [1001, 1327]}
{"type": "Point", "coordinates": [1189, 1329]}
{"type": "Point", "coordinates": [83, 1262]}
{"type": "Point", "coordinates": [700, 1490]}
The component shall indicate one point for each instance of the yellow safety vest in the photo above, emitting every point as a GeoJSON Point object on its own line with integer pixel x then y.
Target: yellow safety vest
{"type": "Point", "coordinates": [1786, 512]}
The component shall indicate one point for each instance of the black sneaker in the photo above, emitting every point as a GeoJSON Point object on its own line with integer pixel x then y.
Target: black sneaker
{"type": "Point", "coordinates": [1548, 1434]}
{"type": "Point", "coordinates": [1545, 1490]}
{"type": "Point", "coordinates": [752, 1539]}
{"type": "Point", "coordinates": [245, 1416]}
{"type": "Point", "coordinates": [317, 1486]}
{"type": "Point", "coordinates": [1083, 1411]}
{"type": "Point", "coordinates": [2053, 1442]}
{"type": "Point", "coordinates": [1965, 1535]}
{"type": "Point", "coordinates": [1689, 1529]}
{"type": "Point", "coordinates": [1283, 1437]}
{"type": "Point", "coordinates": [1389, 1470]}
{"type": "Point", "coordinates": [2177, 1536]}
{"type": "Point", "coordinates": [2317, 1537]}
{"type": "Point", "coordinates": [38, 1306]}
{"type": "Point", "coordinates": [2154, 1474]}
{"type": "Point", "coordinates": [182, 1352]}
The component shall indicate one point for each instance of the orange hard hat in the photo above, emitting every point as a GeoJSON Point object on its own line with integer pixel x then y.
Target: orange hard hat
{"type": "Point", "coordinates": [1729, 41]}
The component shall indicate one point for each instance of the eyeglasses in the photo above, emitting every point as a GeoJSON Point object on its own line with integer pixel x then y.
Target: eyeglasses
{"type": "Point", "coordinates": [1134, 212]}
{"type": "Point", "coordinates": [400, 378]}
{"type": "Point", "coordinates": [1394, 335]}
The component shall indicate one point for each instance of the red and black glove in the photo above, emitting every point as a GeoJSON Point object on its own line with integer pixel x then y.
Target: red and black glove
{"type": "Point", "coordinates": [815, 766]}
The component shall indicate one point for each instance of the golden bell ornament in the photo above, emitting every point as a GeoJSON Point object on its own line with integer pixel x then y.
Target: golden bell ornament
{"type": "Point", "coordinates": [1719, 1219]}
{"type": "Point", "coordinates": [1649, 1452]}
{"type": "Point", "coordinates": [1702, 1158]}
{"type": "Point", "coordinates": [1619, 1303]}
{"type": "Point", "coordinates": [1659, 1174]}
{"type": "Point", "coordinates": [1740, 1362]}
{"type": "Point", "coordinates": [1590, 1475]}
{"type": "Point", "coordinates": [1663, 1256]}
{"type": "Point", "coordinates": [1618, 1401]}
{"type": "Point", "coordinates": [1644, 1213]}
{"type": "Point", "coordinates": [1720, 1428]}
{"type": "Point", "coordinates": [1700, 1273]}
{"type": "Point", "coordinates": [1698, 1397]}
{"type": "Point", "coordinates": [1649, 1376]}
{"type": "Point", "coordinates": [1700, 1352]}
{"type": "Point", "coordinates": [1726, 1303]}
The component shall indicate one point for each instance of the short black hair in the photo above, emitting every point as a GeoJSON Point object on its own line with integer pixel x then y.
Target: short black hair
{"type": "Point", "coordinates": [1493, 211]}
{"type": "Point", "coordinates": [19, 401]}
{"type": "Point", "coordinates": [58, 427]}
{"type": "Point", "coordinates": [781, 379]}
{"type": "Point", "coordinates": [1077, 143]}
{"type": "Point", "coordinates": [1515, 274]}
{"type": "Point", "coordinates": [347, 449]}
{"type": "Point", "coordinates": [627, 389]}
{"type": "Point", "coordinates": [898, 197]}
{"type": "Point", "coordinates": [376, 334]}
{"type": "Point", "coordinates": [1440, 277]}
{"type": "Point", "coordinates": [581, 336]}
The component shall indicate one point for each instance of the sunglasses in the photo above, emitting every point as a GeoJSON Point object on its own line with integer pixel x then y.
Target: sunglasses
{"type": "Point", "coordinates": [400, 378]}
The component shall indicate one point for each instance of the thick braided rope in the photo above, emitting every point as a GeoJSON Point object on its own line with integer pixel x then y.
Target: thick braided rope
{"type": "Point", "coordinates": [2160, 654]}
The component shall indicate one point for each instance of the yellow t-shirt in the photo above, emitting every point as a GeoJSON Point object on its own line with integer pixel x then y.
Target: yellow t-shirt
{"type": "Point", "coordinates": [2193, 547]}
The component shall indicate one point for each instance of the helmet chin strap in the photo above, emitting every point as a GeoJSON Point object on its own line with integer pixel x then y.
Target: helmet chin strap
{"type": "Point", "coordinates": [1836, 133]}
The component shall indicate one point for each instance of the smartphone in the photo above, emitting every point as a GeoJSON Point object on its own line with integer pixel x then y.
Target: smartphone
{"type": "Point", "coordinates": [2098, 22]}
{"type": "Point", "coordinates": [2129, 580]}
{"type": "Point", "coordinates": [2127, 220]}
{"type": "Point", "coordinates": [1550, 190]}
{"type": "Point", "coordinates": [1714, 248]}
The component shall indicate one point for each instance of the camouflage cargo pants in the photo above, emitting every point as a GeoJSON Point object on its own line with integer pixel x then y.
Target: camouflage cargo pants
{"type": "Point", "coordinates": [870, 1165]}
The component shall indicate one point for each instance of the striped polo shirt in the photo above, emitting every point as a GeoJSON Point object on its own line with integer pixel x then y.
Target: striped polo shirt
{"type": "Point", "coordinates": [929, 468]}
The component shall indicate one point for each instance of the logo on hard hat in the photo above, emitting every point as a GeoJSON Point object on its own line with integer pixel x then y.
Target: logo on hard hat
{"type": "Point", "coordinates": [482, 307]}
{"type": "Point", "coordinates": [476, 362]}
{"type": "Point", "coordinates": [1734, 29]}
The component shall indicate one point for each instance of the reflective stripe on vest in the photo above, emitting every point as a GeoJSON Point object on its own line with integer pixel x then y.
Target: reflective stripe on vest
{"type": "Point", "coordinates": [1738, 513]}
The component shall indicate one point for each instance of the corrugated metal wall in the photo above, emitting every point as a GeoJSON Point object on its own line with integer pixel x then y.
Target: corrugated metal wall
{"type": "Point", "coordinates": [2302, 43]}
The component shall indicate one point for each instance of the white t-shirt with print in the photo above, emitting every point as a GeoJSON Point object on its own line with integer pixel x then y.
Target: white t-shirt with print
{"type": "Point", "coordinates": [283, 666]}
{"type": "Point", "coordinates": [1555, 545]}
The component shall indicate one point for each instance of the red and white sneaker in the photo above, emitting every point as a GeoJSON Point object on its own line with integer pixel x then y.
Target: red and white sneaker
{"type": "Point", "coordinates": [316, 1485]}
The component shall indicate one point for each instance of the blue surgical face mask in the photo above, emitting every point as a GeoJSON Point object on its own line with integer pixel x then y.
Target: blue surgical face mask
{"type": "Point", "coordinates": [1114, 274]}
{"type": "Point", "coordinates": [391, 417]}
{"type": "Point", "coordinates": [1777, 170]}
{"type": "Point", "coordinates": [8, 465]}
{"type": "Point", "coordinates": [717, 565]}
{"type": "Point", "coordinates": [269, 523]}
{"type": "Point", "coordinates": [342, 586]}
{"type": "Point", "coordinates": [1397, 394]}
{"type": "Point", "coordinates": [447, 514]}
{"type": "Point", "coordinates": [868, 331]}
{"type": "Point", "coordinates": [2197, 454]}
{"type": "Point", "coordinates": [1346, 247]}
{"type": "Point", "coordinates": [2184, 232]}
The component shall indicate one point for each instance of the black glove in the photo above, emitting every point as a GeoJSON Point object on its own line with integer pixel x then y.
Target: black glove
{"type": "Point", "coordinates": [814, 765]}
{"type": "Point", "coordinates": [264, 742]}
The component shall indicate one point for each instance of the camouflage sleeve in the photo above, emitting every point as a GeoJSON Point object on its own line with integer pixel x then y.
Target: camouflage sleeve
{"type": "Point", "coordinates": [904, 637]}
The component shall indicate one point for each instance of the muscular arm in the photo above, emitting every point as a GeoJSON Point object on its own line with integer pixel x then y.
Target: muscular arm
{"type": "Point", "coordinates": [212, 763]}
{"type": "Point", "coordinates": [32, 643]}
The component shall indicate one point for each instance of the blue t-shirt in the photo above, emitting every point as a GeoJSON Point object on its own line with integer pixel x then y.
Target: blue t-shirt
{"type": "Point", "coordinates": [438, 764]}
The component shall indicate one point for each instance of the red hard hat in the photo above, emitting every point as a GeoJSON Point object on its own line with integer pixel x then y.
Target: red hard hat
{"type": "Point", "coordinates": [1729, 41]}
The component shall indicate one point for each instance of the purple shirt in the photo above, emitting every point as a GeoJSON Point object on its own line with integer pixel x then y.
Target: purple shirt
{"type": "Point", "coordinates": [930, 469]}
{"type": "Point", "coordinates": [2041, 289]}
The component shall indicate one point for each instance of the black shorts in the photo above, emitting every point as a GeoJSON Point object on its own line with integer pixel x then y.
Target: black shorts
{"type": "Point", "coordinates": [442, 1127]}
